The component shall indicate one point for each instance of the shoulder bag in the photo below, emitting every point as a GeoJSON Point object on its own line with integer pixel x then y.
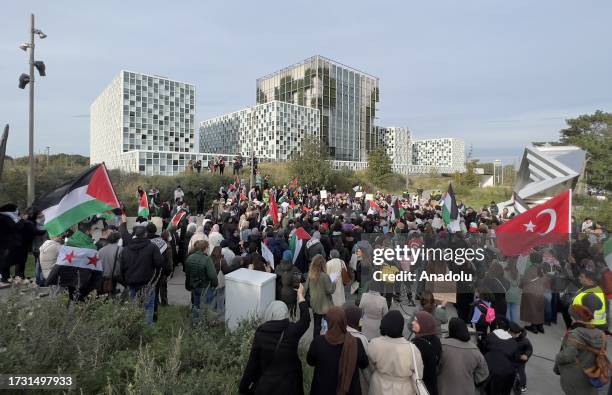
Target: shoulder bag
{"type": "Point", "coordinates": [419, 384]}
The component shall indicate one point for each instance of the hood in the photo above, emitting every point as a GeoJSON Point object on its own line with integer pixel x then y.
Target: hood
{"type": "Point", "coordinates": [589, 336]}
{"type": "Point", "coordinates": [454, 343]}
{"type": "Point", "coordinates": [138, 244]}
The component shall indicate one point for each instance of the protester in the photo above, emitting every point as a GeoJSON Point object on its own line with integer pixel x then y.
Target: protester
{"type": "Point", "coordinates": [589, 278]}
{"type": "Point", "coordinates": [501, 356]}
{"type": "Point", "coordinates": [336, 266]}
{"type": "Point", "coordinates": [525, 349]}
{"type": "Point", "coordinates": [274, 366]}
{"type": "Point", "coordinates": [462, 366]}
{"type": "Point", "coordinates": [287, 279]}
{"type": "Point", "coordinates": [426, 340]}
{"type": "Point", "coordinates": [110, 256]}
{"type": "Point", "coordinates": [374, 308]}
{"type": "Point", "coordinates": [577, 352]}
{"type": "Point", "coordinates": [141, 264]}
{"type": "Point", "coordinates": [393, 359]}
{"type": "Point", "coordinates": [199, 275]}
{"type": "Point", "coordinates": [321, 288]}
{"type": "Point", "coordinates": [353, 316]}
{"type": "Point", "coordinates": [532, 298]}
{"type": "Point", "coordinates": [336, 357]}
{"type": "Point", "coordinates": [49, 252]}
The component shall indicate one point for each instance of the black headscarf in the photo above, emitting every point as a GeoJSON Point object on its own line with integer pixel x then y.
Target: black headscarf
{"type": "Point", "coordinates": [392, 324]}
{"type": "Point", "coordinates": [458, 330]}
{"type": "Point", "coordinates": [353, 315]}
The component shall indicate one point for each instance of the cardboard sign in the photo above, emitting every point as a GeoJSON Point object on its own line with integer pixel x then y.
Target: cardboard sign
{"type": "Point", "coordinates": [445, 297]}
{"type": "Point", "coordinates": [369, 196]}
{"type": "Point", "coordinates": [359, 194]}
{"type": "Point", "coordinates": [323, 194]}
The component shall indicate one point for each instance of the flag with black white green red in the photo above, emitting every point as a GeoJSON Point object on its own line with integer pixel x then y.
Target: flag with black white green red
{"type": "Point", "coordinates": [450, 212]}
{"type": "Point", "coordinates": [176, 219]}
{"type": "Point", "coordinates": [88, 194]}
{"type": "Point", "coordinates": [143, 203]}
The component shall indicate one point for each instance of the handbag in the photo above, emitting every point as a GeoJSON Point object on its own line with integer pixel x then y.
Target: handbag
{"type": "Point", "coordinates": [419, 384]}
{"type": "Point", "coordinates": [346, 278]}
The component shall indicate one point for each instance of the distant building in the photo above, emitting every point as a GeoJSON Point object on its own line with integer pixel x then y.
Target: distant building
{"type": "Point", "coordinates": [396, 142]}
{"type": "Point", "coordinates": [274, 130]}
{"type": "Point", "coordinates": [345, 97]}
{"type": "Point", "coordinates": [445, 155]}
{"type": "Point", "coordinates": [143, 123]}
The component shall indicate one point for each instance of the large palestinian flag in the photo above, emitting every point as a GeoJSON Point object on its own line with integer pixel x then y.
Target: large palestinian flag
{"type": "Point", "coordinates": [88, 194]}
{"type": "Point", "coordinates": [297, 243]}
{"type": "Point", "coordinates": [450, 212]}
{"type": "Point", "coordinates": [143, 204]}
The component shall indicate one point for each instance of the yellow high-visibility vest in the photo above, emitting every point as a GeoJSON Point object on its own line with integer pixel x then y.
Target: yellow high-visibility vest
{"type": "Point", "coordinates": [599, 316]}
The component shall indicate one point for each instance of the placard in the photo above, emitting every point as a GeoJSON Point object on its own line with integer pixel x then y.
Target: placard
{"type": "Point", "coordinates": [323, 194]}
{"type": "Point", "coordinates": [369, 196]}
{"type": "Point", "coordinates": [445, 297]}
{"type": "Point", "coordinates": [358, 194]}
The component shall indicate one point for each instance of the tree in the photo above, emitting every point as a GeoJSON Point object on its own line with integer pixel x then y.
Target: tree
{"type": "Point", "coordinates": [312, 166]}
{"type": "Point", "coordinates": [379, 166]}
{"type": "Point", "coordinates": [468, 179]}
{"type": "Point", "coordinates": [592, 133]}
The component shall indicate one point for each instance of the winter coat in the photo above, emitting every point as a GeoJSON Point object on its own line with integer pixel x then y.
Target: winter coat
{"type": "Point", "coordinates": [335, 266]}
{"type": "Point", "coordinates": [431, 352]}
{"type": "Point", "coordinates": [320, 293]}
{"type": "Point", "coordinates": [365, 373]}
{"type": "Point", "coordinates": [374, 307]}
{"type": "Point", "coordinates": [272, 369]}
{"type": "Point", "coordinates": [573, 379]}
{"type": "Point", "coordinates": [11, 233]}
{"type": "Point", "coordinates": [141, 261]}
{"type": "Point", "coordinates": [111, 266]}
{"type": "Point", "coordinates": [532, 299]}
{"type": "Point", "coordinates": [501, 356]}
{"type": "Point", "coordinates": [286, 275]}
{"type": "Point", "coordinates": [524, 346]}
{"type": "Point", "coordinates": [314, 247]}
{"type": "Point", "coordinates": [462, 366]}
{"type": "Point", "coordinates": [200, 271]}
{"type": "Point", "coordinates": [325, 358]}
{"type": "Point", "coordinates": [393, 367]}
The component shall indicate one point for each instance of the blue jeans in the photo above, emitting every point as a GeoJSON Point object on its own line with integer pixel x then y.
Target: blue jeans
{"type": "Point", "coordinates": [196, 297]}
{"type": "Point", "coordinates": [147, 293]}
{"type": "Point", "coordinates": [218, 301]}
{"type": "Point", "coordinates": [40, 280]}
{"type": "Point", "coordinates": [513, 313]}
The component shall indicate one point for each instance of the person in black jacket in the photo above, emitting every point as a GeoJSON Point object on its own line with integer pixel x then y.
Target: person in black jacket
{"type": "Point", "coordinates": [525, 349]}
{"type": "Point", "coordinates": [500, 354]}
{"type": "Point", "coordinates": [425, 329]}
{"type": "Point", "coordinates": [141, 263]}
{"type": "Point", "coordinates": [274, 366]}
{"type": "Point", "coordinates": [11, 226]}
{"type": "Point", "coordinates": [337, 358]}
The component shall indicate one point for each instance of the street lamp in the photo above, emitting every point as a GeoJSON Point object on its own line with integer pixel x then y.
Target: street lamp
{"type": "Point", "coordinates": [25, 79]}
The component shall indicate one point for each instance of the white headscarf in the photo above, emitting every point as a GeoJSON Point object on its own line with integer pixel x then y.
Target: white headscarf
{"type": "Point", "coordinates": [276, 310]}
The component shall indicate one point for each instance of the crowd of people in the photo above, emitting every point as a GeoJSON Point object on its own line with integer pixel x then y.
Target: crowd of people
{"type": "Point", "coordinates": [216, 165]}
{"type": "Point", "coordinates": [320, 244]}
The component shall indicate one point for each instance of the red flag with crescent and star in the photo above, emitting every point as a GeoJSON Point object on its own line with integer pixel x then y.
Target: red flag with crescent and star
{"type": "Point", "coordinates": [546, 223]}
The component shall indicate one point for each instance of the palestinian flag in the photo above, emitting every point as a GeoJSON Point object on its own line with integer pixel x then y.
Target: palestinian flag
{"type": "Point", "coordinates": [88, 194]}
{"type": "Point", "coordinates": [143, 204]}
{"type": "Point", "coordinates": [297, 242]}
{"type": "Point", "coordinates": [176, 220]}
{"type": "Point", "coordinates": [450, 212]}
{"type": "Point", "coordinates": [79, 252]}
{"type": "Point", "coordinates": [395, 209]}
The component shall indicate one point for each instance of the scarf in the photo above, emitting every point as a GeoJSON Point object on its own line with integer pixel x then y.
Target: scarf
{"type": "Point", "coordinates": [392, 324]}
{"type": "Point", "coordinates": [81, 240]}
{"type": "Point", "coordinates": [14, 215]}
{"type": "Point", "coordinates": [336, 334]}
{"type": "Point", "coordinates": [275, 311]}
{"type": "Point", "coordinates": [427, 323]}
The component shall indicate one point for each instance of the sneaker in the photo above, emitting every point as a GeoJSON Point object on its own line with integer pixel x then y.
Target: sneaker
{"type": "Point", "coordinates": [523, 390]}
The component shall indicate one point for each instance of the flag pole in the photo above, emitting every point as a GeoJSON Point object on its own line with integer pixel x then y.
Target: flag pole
{"type": "Point", "coordinates": [569, 219]}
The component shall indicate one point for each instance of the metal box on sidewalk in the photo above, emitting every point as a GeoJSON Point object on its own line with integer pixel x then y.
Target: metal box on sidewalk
{"type": "Point", "coordinates": [247, 294]}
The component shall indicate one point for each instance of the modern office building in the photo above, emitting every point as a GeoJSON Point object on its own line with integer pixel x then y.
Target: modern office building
{"type": "Point", "coordinates": [143, 123]}
{"type": "Point", "coordinates": [345, 97]}
{"type": "Point", "coordinates": [445, 155]}
{"type": "Point", "coordinates": [273, 130]}
{"type": "Point", "coordinates": [396, 142]}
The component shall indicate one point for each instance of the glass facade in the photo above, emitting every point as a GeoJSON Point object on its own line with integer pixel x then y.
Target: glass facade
{"type": "Point", "coordinates": [346, 99]}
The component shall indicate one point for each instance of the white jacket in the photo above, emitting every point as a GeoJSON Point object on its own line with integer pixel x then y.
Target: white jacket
{"type": "Point", "coordinates": [393, 369]}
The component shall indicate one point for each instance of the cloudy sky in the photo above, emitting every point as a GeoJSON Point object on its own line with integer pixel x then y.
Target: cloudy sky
{"type": "Point", "coordinates": [495, 73]}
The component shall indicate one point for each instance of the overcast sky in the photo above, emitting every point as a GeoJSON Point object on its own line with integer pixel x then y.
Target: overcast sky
{"type": "Point", "coordinates": [497, 74]}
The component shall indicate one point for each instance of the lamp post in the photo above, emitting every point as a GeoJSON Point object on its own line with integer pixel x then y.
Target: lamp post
{"type": "Point", "coordinates": [25, 79]}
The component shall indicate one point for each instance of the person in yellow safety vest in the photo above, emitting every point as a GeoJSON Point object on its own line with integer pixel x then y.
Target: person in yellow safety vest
{"type": "Point", "coordinates": [588, 279]}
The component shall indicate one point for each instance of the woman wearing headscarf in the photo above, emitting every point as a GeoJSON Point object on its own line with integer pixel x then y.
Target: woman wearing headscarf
{"type": "Point", "coordinates": [287, 279]}
{"type": "Point", "coordinates": [353, 316]}
{"type": "Point", "coordinates": [501, 354]}
{"type": "Point", "coordinates": [215, 237]}
{"type": "Point", "coordinates": [462, 366]}
{"type": "Point", "coordinates": [393, 359]}
{"type": "Point", "coordinates": [337, 357]}
{"type": "Point", "coordinates": [274, 366]}
{"type": "Point", "coordinates": [374, 308]}
{"type": "Point", "coordinates": [321, 289]}
{"type": "Point", "coordinates": [426, 340]}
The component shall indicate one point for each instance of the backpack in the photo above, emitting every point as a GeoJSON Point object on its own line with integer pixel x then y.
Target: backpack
{"type": "Point", "coordinates": [488, 314]}
{"type": "Point", "coordinates": [598, 375]}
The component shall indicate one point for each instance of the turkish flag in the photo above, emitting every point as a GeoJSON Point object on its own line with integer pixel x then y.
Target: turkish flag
{"type": "Point", "coordinates": [549, 222]}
